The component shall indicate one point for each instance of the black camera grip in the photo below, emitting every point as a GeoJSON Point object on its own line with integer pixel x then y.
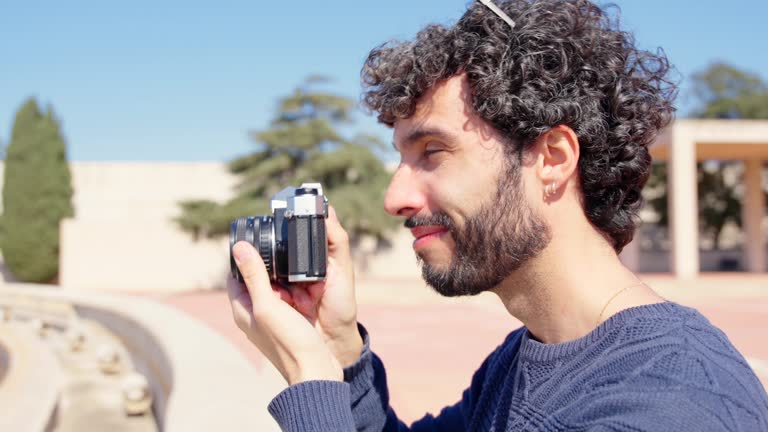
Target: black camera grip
{"type": "Point", "coordinates": [308, 250]}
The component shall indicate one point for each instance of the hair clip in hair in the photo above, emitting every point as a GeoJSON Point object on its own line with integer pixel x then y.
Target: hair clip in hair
{"type": "Point", "coordinates": [498, 12]}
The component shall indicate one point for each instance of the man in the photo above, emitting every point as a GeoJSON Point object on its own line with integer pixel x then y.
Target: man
{"type": "Point", "coordinates": [523, 133]}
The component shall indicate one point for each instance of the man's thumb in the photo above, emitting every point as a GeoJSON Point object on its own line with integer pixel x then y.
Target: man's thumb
{"type": "Point", "coordinates": [252, 268]}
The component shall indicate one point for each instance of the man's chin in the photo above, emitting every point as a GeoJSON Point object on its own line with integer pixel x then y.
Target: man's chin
{"type": "Point", "coordinates": [434, 259]}
{"type": "Point", "coordinates": [444, 282]}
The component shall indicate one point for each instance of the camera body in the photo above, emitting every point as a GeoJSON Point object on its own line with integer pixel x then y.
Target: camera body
{"type": "Point", "coordinates": [292, 241]}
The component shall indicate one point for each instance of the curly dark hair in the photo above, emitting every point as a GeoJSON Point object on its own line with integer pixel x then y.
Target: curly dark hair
{"type": "Point", "coordinates": [566, 62]}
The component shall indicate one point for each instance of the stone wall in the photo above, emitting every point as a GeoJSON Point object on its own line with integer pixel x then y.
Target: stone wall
{"type": "Point", "coordinates": [123, 237]}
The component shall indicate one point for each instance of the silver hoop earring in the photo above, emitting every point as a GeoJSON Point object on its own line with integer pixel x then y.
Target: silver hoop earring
{"type": "Point", "coordinates": [550, 189]}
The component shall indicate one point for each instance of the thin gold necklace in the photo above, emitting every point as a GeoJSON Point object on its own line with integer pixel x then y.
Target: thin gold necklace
{"type": "Point", "coordinates": [600, 317]}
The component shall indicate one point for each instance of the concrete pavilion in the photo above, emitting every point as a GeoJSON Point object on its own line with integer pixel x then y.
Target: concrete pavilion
{"type": "Point", "coordinates": [689, 141]}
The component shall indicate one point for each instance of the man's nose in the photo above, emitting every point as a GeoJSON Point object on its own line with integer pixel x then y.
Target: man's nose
{"type": "Point", "coordinates": [404, 197]}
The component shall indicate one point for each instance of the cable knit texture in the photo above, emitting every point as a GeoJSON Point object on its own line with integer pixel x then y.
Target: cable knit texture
{"type": "Point", "coordinates": [659, 367]}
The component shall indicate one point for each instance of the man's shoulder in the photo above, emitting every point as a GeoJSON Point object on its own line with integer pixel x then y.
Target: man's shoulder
{"type": "Point", "coordinates": [682, 355]}
{"type": "Point", "coordinates": [671, 365]}
{"type": "Point", "coordinates": [680, 345]}
{"type": "Point", "coordinates": [674, 339]}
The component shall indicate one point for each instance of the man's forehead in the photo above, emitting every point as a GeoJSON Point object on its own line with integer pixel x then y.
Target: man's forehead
{"type": "Point", "coordinates": [450, 97]}
{"type": "Point", "coordinates": [443, 110]}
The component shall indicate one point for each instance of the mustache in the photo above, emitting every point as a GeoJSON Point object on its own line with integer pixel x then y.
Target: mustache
{"type": "Point", "coordinates": [438, 218]}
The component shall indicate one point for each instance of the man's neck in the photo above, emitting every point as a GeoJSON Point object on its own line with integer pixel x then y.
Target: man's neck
{"type": "Point", "coordinates": [576, 283]}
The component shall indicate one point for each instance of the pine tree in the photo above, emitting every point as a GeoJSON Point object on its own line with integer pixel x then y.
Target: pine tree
{"type": "Point", "coordinates": [303, 144]}
{"type": "Point", "coordinates": [37, 195]}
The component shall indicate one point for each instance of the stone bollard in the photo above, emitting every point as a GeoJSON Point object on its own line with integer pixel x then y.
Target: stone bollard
{"type": "Point", "coordinates": [108, 359]}
{"type": "Point", "coordinates": [40, 327]}
{"type": "Point", "coordinates": [137, 397]}
{"type": "Point", "coordinates": [75, 337]}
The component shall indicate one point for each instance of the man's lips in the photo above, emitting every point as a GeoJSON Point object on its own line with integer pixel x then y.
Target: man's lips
{"type": "Point", "coordinates": [422, 231]}
{"type": "Point", "coordinates": [423, 234]}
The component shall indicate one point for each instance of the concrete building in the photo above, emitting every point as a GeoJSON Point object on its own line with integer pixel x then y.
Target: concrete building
{"type": "Point", "coordinates": [689, 141]}
{"type": "Point", "coordinates": [123, 237]}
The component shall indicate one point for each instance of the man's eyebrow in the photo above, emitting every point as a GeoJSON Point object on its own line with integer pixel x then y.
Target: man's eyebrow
{"type": "Point", "coordinates": [422, 133]}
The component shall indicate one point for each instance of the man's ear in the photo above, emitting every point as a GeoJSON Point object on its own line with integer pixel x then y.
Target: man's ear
{"type": "Point", "coordinates": [557, 158]}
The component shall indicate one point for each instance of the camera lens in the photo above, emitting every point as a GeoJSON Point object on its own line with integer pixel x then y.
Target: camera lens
{"type": "Point", "coordinates": [257, 231]}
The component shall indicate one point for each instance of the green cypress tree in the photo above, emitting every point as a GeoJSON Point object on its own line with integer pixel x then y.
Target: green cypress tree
{"type": "Point", "coordinates": [304, 143]}
{"type": "Point", "coordinates": [37, 195]}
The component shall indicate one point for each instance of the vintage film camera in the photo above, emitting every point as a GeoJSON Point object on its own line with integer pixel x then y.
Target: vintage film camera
{"type": "Point", "coordinates": [292, 241]}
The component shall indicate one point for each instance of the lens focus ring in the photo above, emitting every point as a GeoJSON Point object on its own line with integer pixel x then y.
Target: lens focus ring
{"type": "Point", "coordinates": [240, 230]}
{"type": "Point", "coordinates": [236, 233]}
{"type": "Point", "coordinates": [258, 232]}
{"type": "Point", "coordinates": [266, 243]}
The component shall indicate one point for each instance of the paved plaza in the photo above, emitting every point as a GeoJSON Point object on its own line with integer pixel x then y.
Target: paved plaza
{"type": "Point", "coordinates": [431, 346]}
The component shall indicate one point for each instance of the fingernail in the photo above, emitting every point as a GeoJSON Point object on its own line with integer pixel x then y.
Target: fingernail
{"type": "Point", "coordinates": [243, 252]}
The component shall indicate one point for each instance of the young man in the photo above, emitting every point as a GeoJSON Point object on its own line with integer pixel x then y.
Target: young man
{"type": "Point", "coordinates": [523, 133]}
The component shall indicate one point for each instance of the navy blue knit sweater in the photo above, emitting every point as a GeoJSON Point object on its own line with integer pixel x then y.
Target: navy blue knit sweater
{"type": "Point", "coordinates": [659, 367]}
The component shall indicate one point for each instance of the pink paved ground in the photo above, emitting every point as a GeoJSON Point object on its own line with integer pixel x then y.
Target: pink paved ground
{"type": "Point", "coordinates": [431, 350]}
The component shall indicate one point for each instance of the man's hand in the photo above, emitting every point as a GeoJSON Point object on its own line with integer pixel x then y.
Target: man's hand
{"type": "Point", "coordinates": [263, 313]}
{"type": "Point", "coordinates": [309, 332]}
{"type": "Point", "coordinates": [330, 305]}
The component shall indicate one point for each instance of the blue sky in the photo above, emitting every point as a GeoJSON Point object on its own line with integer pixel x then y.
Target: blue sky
{"type": "Point", "coordinates": [186, 80]}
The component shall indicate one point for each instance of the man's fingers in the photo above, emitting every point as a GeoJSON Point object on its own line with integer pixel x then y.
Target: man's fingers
{"type": "Point", "coordinates": [235, 289]}
{"type": "Point", "coordinates": [338, 240]}
{"type": "Point", "coordinates": [239, 301]}
{"type": "Point", "coordinates": [316, 290]}
{"type": "Point", "coordinates": [304, 304]}
{"type": "Point", "coordinates": [283, 294]}
{"type": "Point", "coordinates": [252, 268]}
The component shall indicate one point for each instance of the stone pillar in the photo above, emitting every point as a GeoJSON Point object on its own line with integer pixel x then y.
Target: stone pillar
{"type": "Point", "coordinates": [683, 204]}
{"type": "Point", "coordinates": [752, 213]}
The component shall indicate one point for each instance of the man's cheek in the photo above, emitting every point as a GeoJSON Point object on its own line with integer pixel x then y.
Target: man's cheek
{"type": "Point", "coordinates": [450, 241]}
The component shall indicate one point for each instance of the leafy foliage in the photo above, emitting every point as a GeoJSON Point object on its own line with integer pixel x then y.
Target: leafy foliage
{"type": "Point", "coordinates": [718, 201]}
{"type": "Point", "coordinates": [303, 144]}
{"type": "Point", "coordinates": [727, 92]}
{"type": "Point", "coordinates": [37, 195]}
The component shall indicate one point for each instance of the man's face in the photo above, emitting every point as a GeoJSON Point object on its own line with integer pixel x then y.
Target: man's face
{"type": "Point", "coordinates": [463, 195]}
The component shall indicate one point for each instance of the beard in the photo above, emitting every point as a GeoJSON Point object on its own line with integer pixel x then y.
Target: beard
{"type": "Point", "coordinates": [497, 240]}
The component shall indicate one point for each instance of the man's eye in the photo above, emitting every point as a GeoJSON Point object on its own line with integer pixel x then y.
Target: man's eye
{"type": "Point", "coordinates": [430, 152]}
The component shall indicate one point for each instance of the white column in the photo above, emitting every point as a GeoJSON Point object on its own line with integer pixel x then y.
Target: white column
{"type": "Point", "coordinates": [683, 204]}
{"type": "Point", "coordinates": [752, 213]}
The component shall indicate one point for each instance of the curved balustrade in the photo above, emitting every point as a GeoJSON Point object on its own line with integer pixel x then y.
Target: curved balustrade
{"type": "Point", "coordinates": [30, 388]}
{"type": "Point", "coordinates": [198, 380]}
